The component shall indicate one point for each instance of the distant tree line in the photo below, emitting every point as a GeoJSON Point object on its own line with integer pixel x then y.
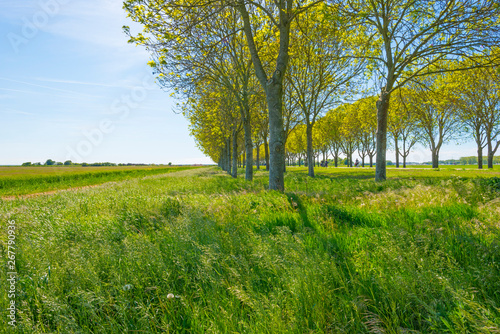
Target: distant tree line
{"type": "Point", "coordinates": [51, 162]}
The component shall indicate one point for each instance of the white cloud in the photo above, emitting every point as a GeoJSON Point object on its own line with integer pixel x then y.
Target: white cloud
{"type": "Point", "coordinates": [15, 111]}
{"type": "Point", "coordinates": [48, 87]}
{"type": "Point", "coordinates": [96, 84]}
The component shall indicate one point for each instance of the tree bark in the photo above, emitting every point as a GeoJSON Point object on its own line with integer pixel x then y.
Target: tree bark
{"type": "Point", "coordinates": [397, 152]}
{"type": "Point", "coordinates": [258, 157]}
{"type": "Point", "coordinates": [382, 109]}
{"type": "Point", "coordinates": [310, 156]}
{"type": "Point", "coordinates": [435, 158]}
{"type": "Point", "coordinates": [248, 148]}
{"type": "Point", "coordinates": [222, 159]}
{"type": "Point", "coordinates": [228, 157]}
{"type": "Point", "coordinates": [405, 154]}
{"type": "Point", "coordinates": [479, 157]}
{"type": "Point", "coordinates": [276, 133]}
{"type": "Point", "coordinates": [491, 152]}
{"type": "Point", "coordinates": [266, 152]}
{"type": "Point", "coordinates": [235, 155]}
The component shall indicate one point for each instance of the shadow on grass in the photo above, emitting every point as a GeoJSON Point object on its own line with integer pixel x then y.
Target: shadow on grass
{"type": "Point", "coordinates": [337, 175]}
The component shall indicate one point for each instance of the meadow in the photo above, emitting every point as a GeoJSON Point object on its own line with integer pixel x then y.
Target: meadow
{"type": "Point", "coordinates": [196, 251]}
{"type": "Point", "coordinates": [27, 180]}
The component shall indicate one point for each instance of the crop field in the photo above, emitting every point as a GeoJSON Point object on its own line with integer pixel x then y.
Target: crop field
{"type": "Point", "coordinates": [27, 180]}
{"type": "Point", "coordinates": [196, 251]}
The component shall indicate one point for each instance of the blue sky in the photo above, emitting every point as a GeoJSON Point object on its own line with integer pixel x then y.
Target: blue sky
{"type": "Point", "coordinates": [71, 87]}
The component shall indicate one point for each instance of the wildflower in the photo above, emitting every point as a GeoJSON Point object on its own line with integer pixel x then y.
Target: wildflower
{"type": "Point", "coordinates": [127, 287]}
{"type": "Point", "coordinates": [170, 296]}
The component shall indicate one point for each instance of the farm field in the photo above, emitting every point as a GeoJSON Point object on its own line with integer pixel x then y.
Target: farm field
{"type": "Point", "coordinates": [196, 251]}
{"type": "Point", "coordinates": [27, 180]}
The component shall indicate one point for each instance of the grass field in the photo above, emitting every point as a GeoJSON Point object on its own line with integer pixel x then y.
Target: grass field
{"type": "Point", "coordinates": [28, 180]}
{"type": "Point", "coordinates": [199, 252]}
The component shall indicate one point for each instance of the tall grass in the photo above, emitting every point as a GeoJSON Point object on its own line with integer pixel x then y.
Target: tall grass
{"type": "Point", "coordinates": [15, 183]}
{"type": "Point", "coordinates": [201, 252]}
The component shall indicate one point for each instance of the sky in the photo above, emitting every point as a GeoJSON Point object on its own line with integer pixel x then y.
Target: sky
{"type": "Point", "coordinates": [72, 88]}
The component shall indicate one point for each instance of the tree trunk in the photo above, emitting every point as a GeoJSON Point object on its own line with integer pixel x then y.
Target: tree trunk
{"type": "Point", "coordinates": [235, 155]}
{"type": "Point", "coordinates": [397, 152]}
{"type": "Point", "coordinates": [405, 153]}
{"type": "Point", "coordinates": [382, 109]}
{"type": "Point", "coordinates": [266, 152]}
{"type": "Point", "coordinates": [258, 157]}
{"type": "Point", "coordinates": [247, 126]}
{"type": "Point", "coordinates": [274, 94]}
{"type": "Point", "coordinates": [371, 160]}
{"type": "Point", "coordinates": [223, 159]}
{"type": "Point", "coordinates": [310, 155]}
{"type": "Point", "coordinates": [435, 158]}
{"type": "Point", "coordinates": [491, 152]}
{"type": "Point", "coordinates": [480, 156]}
{"type": "Point", "coordinates": [228, 157]}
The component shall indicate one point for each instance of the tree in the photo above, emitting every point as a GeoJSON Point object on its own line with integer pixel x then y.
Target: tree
{"type": "Point", "coordinates": [319, 70]}
{"type": "Point", "coordinates": [170, 22]}
{"type": "Point", "coordinates": [260, 129]}
{"type": "Point", "coordinates": [367, 121]}
{"type": "Point", "coordinates": [409, 37]}
{"type": "Point", "coordinates": [50, 162]}
{"type": "Point", "coordinates": [215, 123]}
{"type": "Point", "coordinates": [280, 15]}
{"type": "Point", "coordinates": [297, 142]}
{"type": "Point", "coordinates": [68, 163]}
{"type": "Point", "coordinates": [349, 130]}
{"type": "Point", "coordinates": [477, 94]}
{"type": "Point", "coordinates": [321, 139]}
{"type": "Point", "coordinates": [332, 124]}
{"type": "Point", "coordinates": [432, 106]}
{"type": "Point", "coordinates": [220, 56]}
{"type": "Point", "coordinates": [403, 125]}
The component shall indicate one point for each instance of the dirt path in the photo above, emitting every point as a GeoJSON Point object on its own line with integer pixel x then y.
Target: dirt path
{"type": "Point", "coordinates": [52, 192]}
{"type": "Point", "coordinates": [181, 173]}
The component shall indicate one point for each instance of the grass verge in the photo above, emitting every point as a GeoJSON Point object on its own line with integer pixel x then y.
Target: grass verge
{"type": "Point", "coordinates": [201, 252]}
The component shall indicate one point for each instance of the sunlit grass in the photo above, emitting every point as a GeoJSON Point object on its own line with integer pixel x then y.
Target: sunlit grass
{"type": "Point", "coordinates": [28, 180]}
{"type": "Point", "coordinates": [200, 252]}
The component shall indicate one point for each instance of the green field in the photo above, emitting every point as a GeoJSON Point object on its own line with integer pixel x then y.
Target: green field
{"type": "Point", "coordinates": [28, 180]}
{"type": "Point", "coordinates": [196, 251]}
